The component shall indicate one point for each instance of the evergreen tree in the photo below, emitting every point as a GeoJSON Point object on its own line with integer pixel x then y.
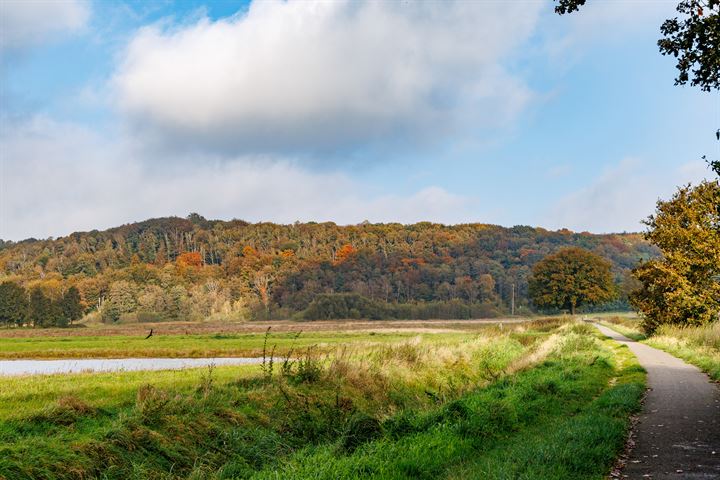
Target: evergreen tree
{"type": "Point", "coordinates": [41, 311]}
{"type": "Point", "coordinates": [13, 304]}
{"type": "Point", "coordinates": [70, 306]}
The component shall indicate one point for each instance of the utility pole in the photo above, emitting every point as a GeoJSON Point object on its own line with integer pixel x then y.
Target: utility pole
{"type": "Point", "coordinates": [512, 301]}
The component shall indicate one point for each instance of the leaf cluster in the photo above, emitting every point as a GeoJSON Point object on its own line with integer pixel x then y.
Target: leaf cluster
{"type": "Point", "coordinates": [694, 41]}
{"type": "Point", "coordinates": [683, 287]}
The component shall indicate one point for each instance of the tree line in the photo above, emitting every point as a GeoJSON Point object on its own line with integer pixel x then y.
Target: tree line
{"type": "Point", "coordinates": [18, 307]}
{"type": "Point", "coordinates": [192, 268]}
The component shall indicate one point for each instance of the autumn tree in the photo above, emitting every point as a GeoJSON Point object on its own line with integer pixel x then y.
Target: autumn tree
{"type": "Point", "coordinates": [13, 304]}
{"type": "Point", "coordinates": [682, 287]}
{"type": "Point", "coordinates": [190, 259]}
{"type": "Point", "coordinates": [344, 253]}
{"type": "Point", "coordinates": [120, 300]}
{"type": "Point", "coordinates": [261, 282]}
{"type": "Point", "coordinates": [571, 278]}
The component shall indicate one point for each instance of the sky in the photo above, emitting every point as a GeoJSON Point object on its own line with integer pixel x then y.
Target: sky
{"type": "Point", "coordinates": [316, 110]}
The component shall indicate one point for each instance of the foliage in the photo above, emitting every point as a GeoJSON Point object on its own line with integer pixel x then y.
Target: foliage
{"type": "Point", "coordinates": [182, 269]}
{"type": "Point", "coordinates": [682, 287]}
{"type": "Point", "coordinates": [13, 304]}
{"type": "Point", "coordinates": [695, 42]}
{"type": "Point", "coordinates": [120, 301]}
{"type": "Point", "coordinates": [568, 6]}
{"type": "Point", "coordinates": [343, 305]}
{"type": "Point", "coordinates": [37, 308]}
{"type": "Point", "coordinates": [70, 306]}
{"type": "Point", "coordinates": [42, 311]}
{"type": "Point", "coordinates": [571, 278]}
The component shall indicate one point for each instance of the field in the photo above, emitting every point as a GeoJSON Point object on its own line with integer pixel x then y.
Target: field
{"type": "Point", "coordinates": [450, 400]}
{"type": "Point", "coordinates": [697, 345]}
{"type": "Point", "coordinates": [213, 340]}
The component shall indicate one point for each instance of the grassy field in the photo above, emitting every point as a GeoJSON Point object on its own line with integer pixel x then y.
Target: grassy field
{"type": "Point", "coordinates": [697, 345]}
{"type": "Point", "coordinates": [228, 340]}
{"type": "Point", "coordinates": [549, 399]}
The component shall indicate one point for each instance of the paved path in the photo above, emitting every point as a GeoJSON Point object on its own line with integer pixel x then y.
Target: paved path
{"type": "Point", "coordinates": [678, 434]}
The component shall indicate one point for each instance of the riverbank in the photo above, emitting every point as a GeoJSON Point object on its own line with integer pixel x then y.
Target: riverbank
{"type": "Point", "coordinates": [453, 404]}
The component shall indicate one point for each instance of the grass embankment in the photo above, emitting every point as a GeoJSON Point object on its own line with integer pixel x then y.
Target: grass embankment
{"type": "Point", "coordinates": [541, 401]}
{"type": "Point", "coordinates": [697, 345]}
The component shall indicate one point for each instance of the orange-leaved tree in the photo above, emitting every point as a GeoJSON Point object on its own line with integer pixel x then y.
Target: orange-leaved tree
{"type": "Point", "coordinates": [189, 259]}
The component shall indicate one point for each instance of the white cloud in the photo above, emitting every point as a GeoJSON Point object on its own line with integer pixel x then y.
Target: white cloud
{"type": "Point", "coordinates": [313, 75]}
{"type": "Point", "coordinates": [24, 23]}
{"type": "Point", "coordinates": [623, 196]}
{"type": "Point", "coordinates": [58, 178]}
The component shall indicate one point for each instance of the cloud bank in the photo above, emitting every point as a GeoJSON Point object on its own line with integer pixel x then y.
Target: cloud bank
{"type": "Point", "coordinates": [27, 23]}
{"type": "Point", "coordinates": [57, 183]}
{"type": "Point", "coordinates": [307, 76]}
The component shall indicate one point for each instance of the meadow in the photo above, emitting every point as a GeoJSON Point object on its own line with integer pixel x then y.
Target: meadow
{"type": "Point", "coordinates": [214, 339]}
{"type": "Point", "coordinates": [543, 399]}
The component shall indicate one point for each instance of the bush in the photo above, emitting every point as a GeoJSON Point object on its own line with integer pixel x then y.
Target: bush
{"type": "Point", "coordinates": [331, 306]}
{"type": "Point", "coordinates": [149, 317]}
{"type": "Point", "coordinates": [343, 305]}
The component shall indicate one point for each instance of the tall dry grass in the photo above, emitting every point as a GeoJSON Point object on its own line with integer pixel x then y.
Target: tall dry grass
{"type": "Point", "coordinates": [704, 336]}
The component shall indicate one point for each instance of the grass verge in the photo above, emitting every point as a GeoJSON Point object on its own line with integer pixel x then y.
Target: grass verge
{"type": "Point", "coordinates": [559, 420]}
{"type": "Point", "coordinates": [699, 346]}
{"type": "Point", "coordinates": [410, 409]}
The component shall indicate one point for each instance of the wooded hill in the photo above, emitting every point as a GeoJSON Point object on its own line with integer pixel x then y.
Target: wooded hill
{"type": "Point", "coordinates": [193, 268]}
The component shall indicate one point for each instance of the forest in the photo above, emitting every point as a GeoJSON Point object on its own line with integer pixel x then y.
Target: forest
{"type": "Point", "coordinates": [196, 269]}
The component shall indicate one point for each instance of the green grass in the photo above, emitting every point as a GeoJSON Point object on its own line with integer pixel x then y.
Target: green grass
{"type": "Point", "coordinates": [233, 345]}
{"type": "Point", "coordinates": [630, 327]}
{"type": "Point", "coordinates": [556, 421]}
{"type": "Point", "coordinates": [426, 407]}
{"type": "Point", "coordinates": [25, 396]}
{"type": "Point", "coordinates": [697, 345]}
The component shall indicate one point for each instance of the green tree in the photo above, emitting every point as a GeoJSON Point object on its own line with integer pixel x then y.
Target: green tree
{"type": "Point", "coordinates": [13, 304]}
{"type": "Point", "coordinates": [70, 307]}
{"type": "Point", "coordinates": [42, 312]}
{"type": "Point", "coordinates": [121, 300]}
{"type": "Point", "coordinates": [571, 278]}
{"type": "Point", "coordinates": [682, 287]}
{"type": "Point", "coordinates": [177, 303]}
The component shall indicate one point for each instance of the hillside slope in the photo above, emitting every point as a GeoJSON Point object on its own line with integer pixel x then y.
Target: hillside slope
{"type": "Point", "coordinates": [193, 268]}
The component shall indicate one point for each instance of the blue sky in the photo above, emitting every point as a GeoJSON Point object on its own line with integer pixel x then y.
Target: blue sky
{"type": "Point", "coordinates": [454, 112]}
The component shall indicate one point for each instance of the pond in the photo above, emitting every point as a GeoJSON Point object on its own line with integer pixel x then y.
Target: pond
{"type": "Point", "coordinates": [74, 365]}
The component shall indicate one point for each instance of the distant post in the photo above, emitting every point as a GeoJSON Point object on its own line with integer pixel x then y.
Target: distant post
{"type": "Point", "coordinates": [512, 301]}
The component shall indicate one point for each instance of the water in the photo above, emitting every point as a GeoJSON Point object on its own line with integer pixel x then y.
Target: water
{"type": "Point", "coordinates": [45, 367]}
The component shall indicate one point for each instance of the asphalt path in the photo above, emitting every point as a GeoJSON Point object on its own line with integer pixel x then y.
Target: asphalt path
{"type": "Point", "coordinates": [678, 432]}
